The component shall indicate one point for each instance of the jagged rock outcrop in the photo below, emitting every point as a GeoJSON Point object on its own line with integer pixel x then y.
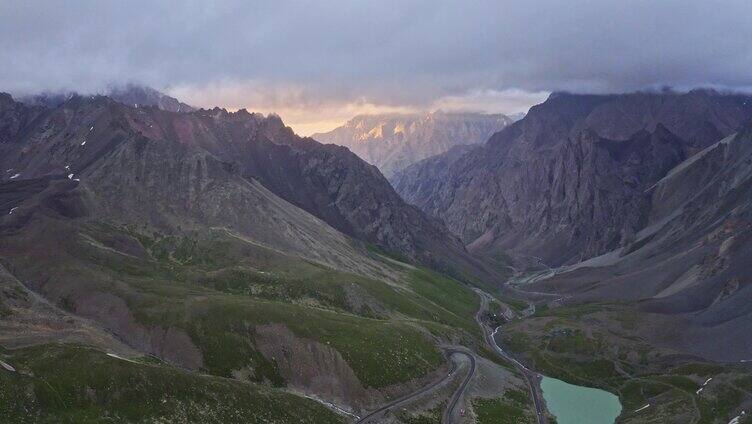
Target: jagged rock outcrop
{"type": "Point", "coordinates": [172, 168]}
{"type": "Point", "coordinates": [690, 260]}
{"type": "Point", "coordinates": [394, 141]}
{"type": "Point", "coordinates": [567, 182]}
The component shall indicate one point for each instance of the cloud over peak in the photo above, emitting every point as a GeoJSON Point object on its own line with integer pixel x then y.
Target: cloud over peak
{"type": "Point", "coordinates": [390, 54]}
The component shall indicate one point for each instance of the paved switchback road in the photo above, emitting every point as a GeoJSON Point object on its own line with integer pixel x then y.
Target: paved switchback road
{"type": "Point", "coordinates": [374, 416]}
{"type": "Point", "coordinates": [449, 412]}
{"type": "Point", "coordinates": [533, 379]}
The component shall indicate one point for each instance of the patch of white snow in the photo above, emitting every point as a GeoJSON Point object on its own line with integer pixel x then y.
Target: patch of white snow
{"type": "Point", "coordinates": [7, 366]}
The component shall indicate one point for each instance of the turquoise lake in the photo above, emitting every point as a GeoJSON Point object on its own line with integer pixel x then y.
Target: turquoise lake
{"type": "Point", "coordinates": [579, 405]}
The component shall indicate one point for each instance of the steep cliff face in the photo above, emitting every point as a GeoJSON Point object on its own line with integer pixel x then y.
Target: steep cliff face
{"type": "Point", "coordinates": [567, 182]}
{"type": "Point", "coordinates": [210, 239]}
{"type": "Point", "coordinates": [392, 142]}
{"type": "Point", "coordinates": [211, 165]}
{"type": "Point", "coordinates": [14, 117]}
{"type": "Point", "coordinates": [690, 261]}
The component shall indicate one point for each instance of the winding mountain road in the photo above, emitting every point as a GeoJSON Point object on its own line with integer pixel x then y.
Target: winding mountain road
{"type": "Point", "coordinates": [449, 413]}
{"type": "Point", "coordinates": [531, 377]}
{"type": "Point", "coordinates": [373, 416]}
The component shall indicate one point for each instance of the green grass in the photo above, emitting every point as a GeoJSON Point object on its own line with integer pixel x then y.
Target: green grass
{"type": "Point", "coordinates": [574, 342]}
{"type": "Point", "coordinates": [518, 305]}
{"type": "Point", "coordinates": [380, 352]}
{"type": "Point", "coordinates": [499, 411]}
{"type": "Point", "coordinates": [680, 382]}
{"type": "Point", "coordinates": [218, 289]}
{"type": "Point", "coordinates": [721, 403]}
{"type": "Point", "coordinates": [635, 394]}
{"type": "Point", "coordinates": [458, 302]}
{"type": "Point", "coordinates": [744, 383]}
{"type": "Point", "coordinates": [74, 384]}
{"type": "Point", "coordinates": [520, 397]}
{"type": "Point", "coordinates": [698, 369]}
{"type": "Point", "coordinates": [432, 416]}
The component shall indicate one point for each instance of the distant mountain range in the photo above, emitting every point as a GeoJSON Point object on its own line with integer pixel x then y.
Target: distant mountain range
{"type": "Point", "coordinates": [395, 141]}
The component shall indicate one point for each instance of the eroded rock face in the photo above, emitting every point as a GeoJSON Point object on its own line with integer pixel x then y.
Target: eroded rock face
{"type": "Point", "coordinates": [170, 344]}
{"type": "Point", "coordinates": [198, 157]}
{"type": "Point", "coordinates": [567, 182]}
{"type": "Point", "coordinates": [312, 367]}
{"type": "Point", "coordinates": [690, 261]}
{"type": "Point", "coordinates": [395, 141]}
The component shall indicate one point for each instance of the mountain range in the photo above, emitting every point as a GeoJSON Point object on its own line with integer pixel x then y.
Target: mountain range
{"type": "Point", "coordinates": [238, 271]}
{"type": "Point", "coordinates": [328, 182]}
{"type": "Point", "coordinates": [395, 141]}
{"type": "Point", "coordinates": [566, 183]}
{"type": "Point", "coordinates": [638, 197]}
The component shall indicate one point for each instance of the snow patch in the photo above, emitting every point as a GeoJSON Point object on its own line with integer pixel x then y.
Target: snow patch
{"type": "Point", "coordinates": [14, 176]}
{"type": "Point", "coordinates": [737, 418]}
{"type": "Point", "coordinates": [12, 209]}
{"type": "Point", "coordinates": [643, 408]}
{"type": "Point", "coordinates": [112, 355]}
{"type": "Point", "coordinates": [7, 366]}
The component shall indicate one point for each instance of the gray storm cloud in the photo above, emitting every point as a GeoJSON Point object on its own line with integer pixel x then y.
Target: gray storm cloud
{"type": "Point", "coordinates": [386, 52]}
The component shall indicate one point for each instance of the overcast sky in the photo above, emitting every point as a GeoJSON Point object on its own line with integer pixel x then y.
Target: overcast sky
{"type": "Point", "coordinates": [317, 63]}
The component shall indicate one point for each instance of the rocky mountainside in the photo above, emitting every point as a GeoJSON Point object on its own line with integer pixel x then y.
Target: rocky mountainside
{"type": "Point", "coordinates": [690, 260]}
{"type": "Point", "coordinates": [394, 141]}
{"type": "Point", "coordinates": [210, 244]}
{"type": "Point", "coordinates": [571, 180]}
{"type": "Point", "coordinates": [146, 164]}
{"type": "Point", "coordinates": [129, 94]}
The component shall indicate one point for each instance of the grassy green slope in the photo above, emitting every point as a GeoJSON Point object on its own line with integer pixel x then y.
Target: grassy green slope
{"type": "Point", "coordinates": [75, 384]}
{"type": "Point", "coordinates": [218, 289]}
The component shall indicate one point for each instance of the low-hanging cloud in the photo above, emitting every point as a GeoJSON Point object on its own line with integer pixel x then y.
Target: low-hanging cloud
{"type": "Point", "coordinates": [395, 54]}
